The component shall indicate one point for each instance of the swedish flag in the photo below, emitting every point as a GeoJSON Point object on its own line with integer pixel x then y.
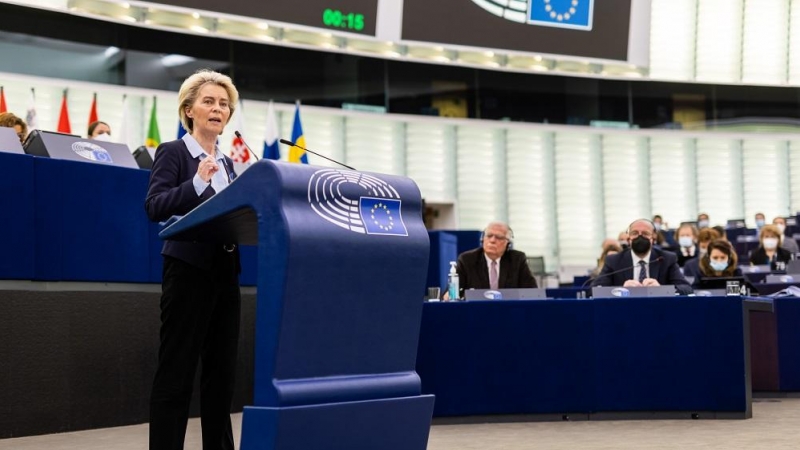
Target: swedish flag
{"type": "Point", "coordinates": [562, 13]}
{"type": "Point", "coordinates": [297, 154]}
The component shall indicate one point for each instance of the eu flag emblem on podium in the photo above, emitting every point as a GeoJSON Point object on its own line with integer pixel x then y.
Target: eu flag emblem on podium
{"type": "Point", "coordinates": [382, 216]}
{"type": "Point", "coordinates": [575, 14]}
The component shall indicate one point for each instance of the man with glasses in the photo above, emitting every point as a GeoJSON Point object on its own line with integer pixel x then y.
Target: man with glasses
{"type": "Point", "coordinates": [641, 264]}
{"type": "Point", "coordinates": [494, 265]}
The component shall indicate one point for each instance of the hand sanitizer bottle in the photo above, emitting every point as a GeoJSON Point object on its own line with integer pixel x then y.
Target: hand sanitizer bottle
{"type": "Point", "coordinates": [452, 282]}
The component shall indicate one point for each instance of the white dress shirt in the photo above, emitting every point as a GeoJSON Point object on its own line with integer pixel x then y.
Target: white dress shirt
{"type": "Point", "coordinates": [637, 268]}
{"type": "Point", "coordinates": [220, 179]}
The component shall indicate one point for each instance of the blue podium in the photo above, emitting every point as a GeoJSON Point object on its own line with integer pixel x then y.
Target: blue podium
{"type": "Point", "coordinates": [342, 260]}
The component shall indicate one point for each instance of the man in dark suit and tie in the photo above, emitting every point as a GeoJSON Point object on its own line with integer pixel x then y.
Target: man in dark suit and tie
{"type": "Point", "coordinates": [641, 264]}
{"type": "Point", "coordinates": [494, 265]}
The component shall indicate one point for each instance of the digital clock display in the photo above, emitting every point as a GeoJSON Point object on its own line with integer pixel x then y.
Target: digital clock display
{"type": "Point", "coordinates": [348, 21]}
{"type": "Point", "coordinates": [351, 16]}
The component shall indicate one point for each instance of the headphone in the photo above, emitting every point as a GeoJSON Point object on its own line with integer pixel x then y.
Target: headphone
{"type": "Point", "coordinates": [509, 245]}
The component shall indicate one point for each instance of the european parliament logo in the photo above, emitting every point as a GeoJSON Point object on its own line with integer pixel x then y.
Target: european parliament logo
{"type": "Point", "coordinates": [574, 14]}
{"type": "Point", "coordinates": [357, 202]}
{"type": "Point", "coordinates": [562, 13]}
{"type": "Point", "coordinates": [92, 152]}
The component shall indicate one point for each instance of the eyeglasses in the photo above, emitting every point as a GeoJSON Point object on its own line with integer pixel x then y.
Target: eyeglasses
{"type": "Point", "coordinates": [496, 236]}
{"type": "Point", "coordinates": [644, 234]}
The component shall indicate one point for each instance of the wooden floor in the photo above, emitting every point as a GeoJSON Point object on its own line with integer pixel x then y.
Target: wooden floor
{"type": "Point", "coordinates": [775, 426]}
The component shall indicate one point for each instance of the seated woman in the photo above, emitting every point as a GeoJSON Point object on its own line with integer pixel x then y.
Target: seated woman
{"type": "Point", "coordinates": [770, 251]}
{"type": "Point", "coordinates": [610, 249]}
{"type": "Point", "coordinates": [704, 238]}
{"type": "Point", "coordinates": [686, 237]}
{"type": "Point", "coordinates": [718, 261]}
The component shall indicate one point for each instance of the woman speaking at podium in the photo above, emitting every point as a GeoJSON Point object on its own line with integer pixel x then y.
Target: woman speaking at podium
{"type": "Point", "coordinates": [200, 300]}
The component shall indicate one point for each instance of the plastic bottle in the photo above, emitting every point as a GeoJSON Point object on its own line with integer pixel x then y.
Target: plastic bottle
{"type": "Point", "coordinates": [452, 282]}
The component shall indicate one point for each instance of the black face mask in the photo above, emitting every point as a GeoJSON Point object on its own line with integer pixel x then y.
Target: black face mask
{"type": "Point", "coordinates": [640, 245]}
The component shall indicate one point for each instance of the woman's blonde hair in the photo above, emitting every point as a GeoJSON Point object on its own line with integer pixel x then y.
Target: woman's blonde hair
{"type": "Point", "coordinates": [190, 89]}
{"type": "Point", "coordinates": [770, 229]}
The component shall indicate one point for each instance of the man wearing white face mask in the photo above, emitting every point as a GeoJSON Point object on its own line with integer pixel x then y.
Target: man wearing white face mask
{"type": "Point", "coordinates": [770, 252]}
{"type": "Point", "coordinates": [788, 242]}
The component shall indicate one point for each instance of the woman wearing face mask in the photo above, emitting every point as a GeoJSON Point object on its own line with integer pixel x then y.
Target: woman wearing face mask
{"type": "Point", "coordinates": [704, 238]}
{"type": "Point", "coordinates": [788, 242]}
{"type": "Point", "coordinates": [686, 237]}
{"type": "Point", "coordinates": [99, 130]}
{"type": "Point", "coordinates": [719, 261]}
{"type": "Point", "coordinates": [770, 251]}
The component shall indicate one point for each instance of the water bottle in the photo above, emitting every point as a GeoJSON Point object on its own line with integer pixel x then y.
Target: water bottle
{"type": "Point", "coordinates": [452, 282]}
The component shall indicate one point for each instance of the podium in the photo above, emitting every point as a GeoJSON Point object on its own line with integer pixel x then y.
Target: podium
{"type": "Point", "coordinates": [343, 259]}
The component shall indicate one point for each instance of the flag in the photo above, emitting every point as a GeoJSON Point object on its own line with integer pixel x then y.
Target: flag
{"type": "Point", "coordinates": [93, 110]}
{"type": "Point", "coordinates": [3, 107]}
{"type": "Point", "coordinates": [296, 154]}
{"type": "Point", "coordinates": [271, 150]}
{"type": "Point", "coordinates": [30, 116]}
{"type": "Point", "coordinates": [181, 130]}
{"type": "Point", "coordinates": [562, 13]}
{"type": "Point", "coordinates": [63, 117]}
{"type": "Point", "coordinates": [122, 133]}
{"type": "Point", "coordinates": [153, 136]}
{"type": "Point", "coordinates": [239, 153]}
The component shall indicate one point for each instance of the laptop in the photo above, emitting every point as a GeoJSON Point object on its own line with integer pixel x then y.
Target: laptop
{"type": "Point", "coordinates": [667, 290]}
{"type": "Point", "coordinates": [505, 294]}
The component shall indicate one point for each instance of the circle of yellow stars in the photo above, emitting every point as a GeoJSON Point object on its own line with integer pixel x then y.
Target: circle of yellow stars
{"type": "Point", "coordinates": [560, 16]}
{"type": "Point", "coordinates": [378, 207]}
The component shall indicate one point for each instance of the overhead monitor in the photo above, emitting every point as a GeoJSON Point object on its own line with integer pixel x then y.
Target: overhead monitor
{"type": "Point", "coordinates": [605, 30]}
{"type": "Point", "coordinates": [353, 16]}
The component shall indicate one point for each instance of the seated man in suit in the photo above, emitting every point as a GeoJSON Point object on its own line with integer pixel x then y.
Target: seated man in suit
{"type": "Point", "coordinates": [494, 265]}
{"type": "Point", "coordinates": [641, 264]}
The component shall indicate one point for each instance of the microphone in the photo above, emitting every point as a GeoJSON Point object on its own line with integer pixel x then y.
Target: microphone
{"type": "Point", "coordinates": [659, 259]}
{"type": "Point", "coordinates": [292, 144]}
{"type": "Point", "coordinates": [239, 135]}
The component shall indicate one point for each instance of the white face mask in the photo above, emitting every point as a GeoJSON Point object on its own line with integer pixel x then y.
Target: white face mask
{"type": "Point", "coordinates": [781, 228]}
{"type": "Point", "coordinates": [770, 243]}
{"type": "Point", "coordinates": [686, 241]}
{"type": "Point", "coordinates": [103, 137]}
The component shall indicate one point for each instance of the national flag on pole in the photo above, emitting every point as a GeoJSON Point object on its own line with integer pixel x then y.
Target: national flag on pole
{"type": "Point", "coordinates": [122, 133]}
{"type": "Point", "coordinates": [296, 154]}
{"type": "Point", "coordinates": [271, 150]}
{"type": "Point", "coordinates": [3, 107]}
{"type": "Point", "coordinates": [30, 116]}
{"type": "Point", "coordinates": [63, 117]}
{"type": "Point", "coordinates": [181, 130]}
{"type": "Point", "coordinates": [239, 153]}
{"type": "Point", "coordinates": [93, 110]}
{"type": "Point", "coordinates": [153, 136]}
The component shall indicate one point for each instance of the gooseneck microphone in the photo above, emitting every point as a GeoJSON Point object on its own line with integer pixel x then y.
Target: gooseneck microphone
{"type": "Point", "coordinates": [659, 259]}
{"type": "Point", "coordinates": [239, 135]}
{"type": "Point", "coordinates": [292, 144]}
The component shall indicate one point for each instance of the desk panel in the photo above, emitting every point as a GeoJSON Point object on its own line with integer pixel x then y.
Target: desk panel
{"type": "Point", "coordinates": [17, 216]}
{"type": "Point", "coordinates": [585, 356]}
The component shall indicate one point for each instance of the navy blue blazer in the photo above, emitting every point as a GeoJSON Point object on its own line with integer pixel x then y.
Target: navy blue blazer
{"type": "Point", "coordinates": [619, 269]}
{"type": "Point", "coordinates": [171, 193]}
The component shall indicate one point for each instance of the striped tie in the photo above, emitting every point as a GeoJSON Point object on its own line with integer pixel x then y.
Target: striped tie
{"type": "Point", "coordinates": [642, 271]}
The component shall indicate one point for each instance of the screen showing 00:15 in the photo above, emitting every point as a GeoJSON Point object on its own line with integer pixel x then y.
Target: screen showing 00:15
{"type": "Point", "coordinates": [337, 19]}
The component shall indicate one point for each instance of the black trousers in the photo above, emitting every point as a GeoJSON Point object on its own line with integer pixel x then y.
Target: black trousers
{"type": "Point", "coordinates": [199, 322]}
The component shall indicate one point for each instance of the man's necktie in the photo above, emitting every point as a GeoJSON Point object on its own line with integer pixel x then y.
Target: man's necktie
{"type": "Point", "coordinates": [642, 271]}
{"type": "Point", "coordinates": [493, 275]}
